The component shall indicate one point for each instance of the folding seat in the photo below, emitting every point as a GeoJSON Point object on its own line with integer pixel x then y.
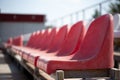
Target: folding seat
{"type": "Point", "coordinates": [47, 42]}
{"type": "Point", "coordinates": [14, 41]}
{"type": "Point", "coordinates": [8, 43]}
{"type": "Point", "coordinates": [30, 39]}
{"type": "Point", "coordinates": [20, 41]}
{"type": "Point", "coordinates": [48, 39]}
{"type": "Point", "coordinates": [42, 42]}
{"type": "Point", "coordinates": [56, 41]}
{"type": "Point", "coordinates": [33, 40]}
{"type": "Point", "coordinates": [44, 39]}
{"type": "Point", "coordinates": [96, 51]}
{"type": "Point", "coordinates": [75, 36]}
{"type": "Point", "coordinates": [17, 42]}
{"type": "Point", "coordinates": [29, 45]}
{"type": "Point", "coordinates": [38, 38]}
{"type": "Point", "coordinates": [21, 48]}
{"type": "Point", "coordinates": [26, 52]}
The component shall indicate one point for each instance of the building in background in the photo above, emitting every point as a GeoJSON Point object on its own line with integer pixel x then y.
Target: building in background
{"type": "Point", "coordinates": [12, 25]}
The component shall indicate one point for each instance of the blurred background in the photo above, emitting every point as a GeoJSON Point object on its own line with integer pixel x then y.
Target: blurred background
{"type": "Point", "coordinates": [22, 17]}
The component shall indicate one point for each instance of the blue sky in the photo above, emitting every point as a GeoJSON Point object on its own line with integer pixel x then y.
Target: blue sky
{"type": "Point", "coordinates": [53, 9]}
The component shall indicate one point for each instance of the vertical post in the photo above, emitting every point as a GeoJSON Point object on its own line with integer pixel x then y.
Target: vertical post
{"type": "Point", "coordinates": [23, 61]}
{"type": "Point", "coordinates": [60, 75]}
{"type": "Point", "coordinates": [54, 23]}
{"type": "Point", "coordinates": [116, 64]}
{"type": "Point", "coordinates": [115, 74]}
{"type": "Point", "coordinates": [23, 64]}
{"type": "Point", "coordinates": [100, 8]}
{"type": "Point", "coordinates": [77, 16]}
{"type": "Point", "coordinates": [83, 11]}
{"type": "Point", "coordinates": [71, 19]}
{"type": "Point", "coordinates": [35, 73]}
{"type": "Point", "coordinates": [62, 22]}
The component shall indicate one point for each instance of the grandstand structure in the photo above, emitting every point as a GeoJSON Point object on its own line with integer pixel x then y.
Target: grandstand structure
{"type": "Point", "coordinates": [69, 52]}
{"type": "Point", "coordinates": [57, 54]}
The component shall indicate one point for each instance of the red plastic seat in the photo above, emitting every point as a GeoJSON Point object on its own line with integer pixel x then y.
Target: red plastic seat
{"type": "Point", "coordinates": [49, 39]}
{"type": "Point", "coordinates": [96, 51]}
{"type": "Point", "coordinates": [28, 45]}
{"type": "Point", "coordinates": [42, 39]}
{"type": "Point", "coordinates": [54, 45]}
{"type": "Point", "coordinates": [75, 36]}
{"type": "Point", "coordinates": [56, 42]}
{"type": "Point", "coordinates": [58, 39]}
{"type": "Point", "coordinates": [25, 52]}
{"type": "Point", "coordinates": [31, 39]}
{"type": "Point", "coordinates": [8, 43]}
{"type": "Point", "coordinates": [35, 39]}
{"type": "Point", "coordinates": [41, 43]}
{"type": "Point", "coordinates": [17, 42]}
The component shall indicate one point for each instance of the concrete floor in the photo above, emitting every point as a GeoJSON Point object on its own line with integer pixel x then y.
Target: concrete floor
{"type": "Point", "coordinates": [8, 70]}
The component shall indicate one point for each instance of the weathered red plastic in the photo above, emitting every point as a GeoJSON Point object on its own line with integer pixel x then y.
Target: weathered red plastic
{"type": "Point", "coordinates": [69, 45]}
{"type": "Point", "coordinates": [18, 41]}
{"type": "Point", "coordinates": [49, 39]}
{"type": "Point", "coordinates": [37, 45]}
{"type": "Point", "coordinates": [37, 36]}
{"type": "Point", "coordinates": [62, 32]}
{"type": "Point", "coordinates": [30, 40]}
{"type": "Point", "coordinates": [42, 42]}
{"type": "Point", "coordinates": [9, 41]}
{"type": "Point", "coordinates": [53, 44]}
{"type": "Point", "coordinates": [58, 39]}
{"type": "Point", "coordinates": [96, 51]}
{"type": "Point", "coordinates": [21, 49]}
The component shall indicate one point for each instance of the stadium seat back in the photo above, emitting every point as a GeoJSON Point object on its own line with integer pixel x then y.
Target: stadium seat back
{"type": "Point", "coordinates": [98, 41]}
{"type": "Point", "coordinates": [58, 39]}
{"type": "Point", "coordinates": [49, 39]}
{"type": "Point", "coordinates": [43, 40]}
{"type": "Point", "coordinates": [71, 41]}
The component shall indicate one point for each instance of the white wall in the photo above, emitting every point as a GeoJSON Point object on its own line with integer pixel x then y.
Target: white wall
{"type": "Point", "coordinates": [12, 29]}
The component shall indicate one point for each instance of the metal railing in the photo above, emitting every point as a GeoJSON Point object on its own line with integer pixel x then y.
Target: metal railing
{"type": "Point", "coordinates": [84, 14]}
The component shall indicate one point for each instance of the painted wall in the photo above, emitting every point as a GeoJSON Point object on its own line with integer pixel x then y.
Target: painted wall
{"type": "Point", "coordinates": [12, 29]}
